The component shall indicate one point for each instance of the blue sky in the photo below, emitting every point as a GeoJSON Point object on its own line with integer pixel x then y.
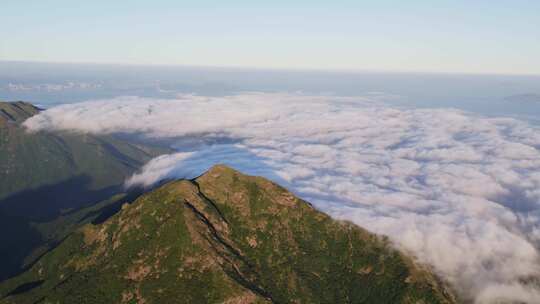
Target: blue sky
{"type": "Point", "coordinates": [434, 36]}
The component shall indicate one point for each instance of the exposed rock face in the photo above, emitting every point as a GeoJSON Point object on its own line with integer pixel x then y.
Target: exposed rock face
{"type": "Point", "coordinates": [223, 238]}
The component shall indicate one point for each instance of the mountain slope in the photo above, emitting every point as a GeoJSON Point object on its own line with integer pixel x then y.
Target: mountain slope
{"type": "Point", "coordinates": [57, 167]}
{"type": "Point", "coordinates": [16, 112]}
{"type": "Point", "coordinates": [45, 175]}
{"type": "Point", "coordinates": [223, 238]}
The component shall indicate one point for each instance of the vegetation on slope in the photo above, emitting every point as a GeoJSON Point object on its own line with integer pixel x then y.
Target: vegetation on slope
{"type": "Point", "coordinates": [58, 167]}
{"type": "Point", "coordinates": [47, 176]}
{"type": "Point", "coordinates": [223, 238]}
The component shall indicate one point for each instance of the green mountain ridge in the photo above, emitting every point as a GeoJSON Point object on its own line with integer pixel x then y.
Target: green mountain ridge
{"type": "Point", "coordinates": [223, 237]}
{"type": "Point", "coordinates": [14, 112]}
{"type": "Point", "coordinates": [49, 178]}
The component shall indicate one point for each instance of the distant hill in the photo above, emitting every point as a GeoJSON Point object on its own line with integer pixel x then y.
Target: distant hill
{"type": "Point", "coordinates": [46, 175]}
{"type": "Point", "coordinates": [223, 238]}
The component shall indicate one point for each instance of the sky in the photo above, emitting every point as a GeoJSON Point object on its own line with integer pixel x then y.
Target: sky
{"type": "Point", "coordinates": [493, 37]}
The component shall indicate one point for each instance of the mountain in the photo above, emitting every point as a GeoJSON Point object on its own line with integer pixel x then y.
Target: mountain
{"type": "Point", "coordinates": [57, 167]}
{"type": "Point", "coordinates": [223, 237]}
{"type": "Point", "coordinates": [47, 176]}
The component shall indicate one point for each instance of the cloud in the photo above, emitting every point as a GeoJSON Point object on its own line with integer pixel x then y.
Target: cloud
{"type": "Point", "coordinates": [457, 190]}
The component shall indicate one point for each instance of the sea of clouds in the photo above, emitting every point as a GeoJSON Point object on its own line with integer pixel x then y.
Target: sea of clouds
{"type": "Point", "coordinates": [459, 191]}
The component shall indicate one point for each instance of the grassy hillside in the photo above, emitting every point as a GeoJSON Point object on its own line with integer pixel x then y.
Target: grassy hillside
{"type": "Point", "coordinates": [46, 176]}
{"type": "Point", "coordinates": [223, 238]}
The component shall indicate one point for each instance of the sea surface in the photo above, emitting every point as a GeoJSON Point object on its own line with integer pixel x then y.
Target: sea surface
{"type": "Point", "coordinates": [49, 84]}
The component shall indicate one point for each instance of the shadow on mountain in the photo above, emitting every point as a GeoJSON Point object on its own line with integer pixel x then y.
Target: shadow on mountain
{"type": "Point", "coordinates": [101, 215]}
{"type": "Point", "coordinates": [24, 288]}
{"type": "Point", "coordinates": [47, 202]}
{"type": "Point", "coordinates": [18, 239]}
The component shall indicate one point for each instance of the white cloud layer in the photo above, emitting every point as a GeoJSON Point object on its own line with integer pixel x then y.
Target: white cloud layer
{"type": "Point", "coordinates": [459, 191]}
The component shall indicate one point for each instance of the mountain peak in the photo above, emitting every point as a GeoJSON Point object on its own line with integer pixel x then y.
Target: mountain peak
{"type": "Point", "coordinates": [224, 237]}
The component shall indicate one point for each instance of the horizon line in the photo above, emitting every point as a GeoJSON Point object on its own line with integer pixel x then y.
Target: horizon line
{"type": "Point", "coordinates": [272, 69]}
